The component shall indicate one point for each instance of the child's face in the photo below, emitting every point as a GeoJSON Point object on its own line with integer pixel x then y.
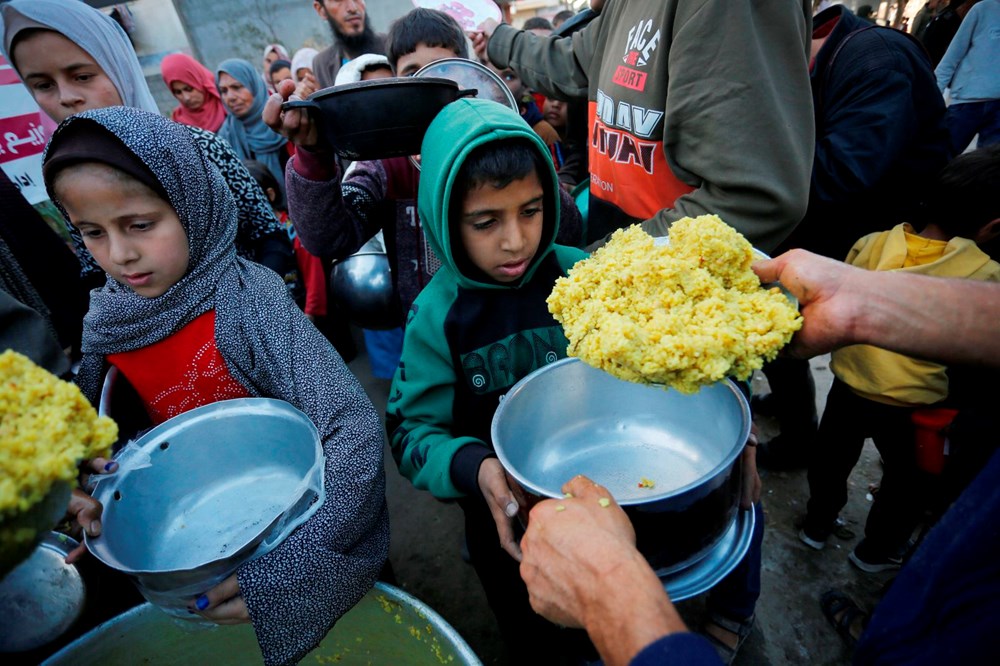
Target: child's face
{"type": "Point", "coordinates": [410, 64]}
{"type": "Point", "coordinates": [501, 228]}
{"type": "Point", "coordinates": [555, 113]}
{"type": "Point", "coordinates": [63, 78]}
{"type": "Point", "coordinates": [281, 75]}
{"type": "Point", "coordinates": [134, 235]}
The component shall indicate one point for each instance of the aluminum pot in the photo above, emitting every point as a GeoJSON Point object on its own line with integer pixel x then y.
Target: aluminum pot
{"type": "Point", "coordinates": [361, 286]}
{"type": "Point", "coordinates": [388, 626]}
{"type": "Point", "coordinates": [671, 460]}
{"type": "Point", "coordinates": [206, 491]}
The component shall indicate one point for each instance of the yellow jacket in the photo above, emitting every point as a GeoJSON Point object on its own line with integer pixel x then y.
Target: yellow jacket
{"type": "Point", "coordinates": [888, 377]}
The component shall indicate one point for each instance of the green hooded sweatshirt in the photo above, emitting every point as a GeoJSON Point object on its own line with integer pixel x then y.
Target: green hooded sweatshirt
{"type": "Point", "coordinates": [468, 338]}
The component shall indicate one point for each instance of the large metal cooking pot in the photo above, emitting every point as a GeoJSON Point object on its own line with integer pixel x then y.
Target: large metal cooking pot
{"type": "Point", "coordinates": [568, 418]}
{"type": "Point", "coordinates": [206, 491]}
{"type": "Point", "coordinates": [388, 626]}
{"type": "Point", "coordinates": [381, 118]}
{"type": "Point", "coordinates": [362, 288]}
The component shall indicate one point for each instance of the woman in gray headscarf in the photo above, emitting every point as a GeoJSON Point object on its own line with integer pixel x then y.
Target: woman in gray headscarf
{"type": "Point", "coordinates": [222, 306]}
{"type": "Point", "coordinates": [244, 95]}
{"type": "Point", "coordinates": [47, 41]}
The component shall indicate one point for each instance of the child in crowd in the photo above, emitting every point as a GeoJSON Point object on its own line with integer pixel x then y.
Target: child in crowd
{"type": "Point", "coordinates": [279, 71]}
{"type": "Point", "coordinates": [489, 201]}
{"type": "Point", "coordinates": [188, 323]}
{"type": "Point", "coordinates": [310, 279]}
{"type": "Point", "coordinates": [72, 58]}
{"type": "Point", "coordinates": [875, 392]}
{"type": "Point", "coordinates": [335, 219]}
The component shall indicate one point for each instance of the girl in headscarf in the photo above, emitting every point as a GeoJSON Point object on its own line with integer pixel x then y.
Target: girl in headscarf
{"type": "Point", "coordinates": [194, 87]}
{"type": "Point", "coordinates": [302, 71]}
{"type": "Point", "coordinates": [187, 322]}
{"type": "Point", "coordinates": [244, 95]}
{"type": "Point", "coordinates": [72, 57]}
{"type": "Point", "coordinates": [272, 52]}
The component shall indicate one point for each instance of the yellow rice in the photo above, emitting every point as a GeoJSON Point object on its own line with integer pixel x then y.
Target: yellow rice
{"type": "Point", "coordinates": [683, 315]}
{"type": "Point", "coordinates": [46, 428]}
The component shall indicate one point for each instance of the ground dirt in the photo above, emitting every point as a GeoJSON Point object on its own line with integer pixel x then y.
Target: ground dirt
{"type": "Point", "coordinates": [790, 627]}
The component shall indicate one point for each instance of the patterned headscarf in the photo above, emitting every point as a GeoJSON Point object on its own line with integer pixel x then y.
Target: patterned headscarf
{"type": "Point", "coordinates": [296, 592]}
{"type": "Point", "coordinates": [94, 32]}
{"type": "Point", "coordinates": [250, 138]}
{"type": "Point", "coordinates": [182, 67]}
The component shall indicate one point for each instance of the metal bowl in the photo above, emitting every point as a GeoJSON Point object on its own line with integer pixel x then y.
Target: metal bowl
{"type": "Point", "coordinates": [42, 597]}
{"type": "Point", "coordinates": [568, 418]}
{"type": "Point", "coordinates": [388, 626]}
{"type": "Point", "coordinates": [206, 491]}
{"type": "Point", "coordinates": [361, 285]}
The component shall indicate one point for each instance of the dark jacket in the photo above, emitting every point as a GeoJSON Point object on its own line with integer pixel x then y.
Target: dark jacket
{"type": "Point", "coordinates": [880, 133]}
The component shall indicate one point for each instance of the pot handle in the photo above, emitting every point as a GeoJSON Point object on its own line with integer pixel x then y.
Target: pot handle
{"type": "Point", "coordinates": [299, 104]}
{"type": "Point", "coordinates": [468, 92]}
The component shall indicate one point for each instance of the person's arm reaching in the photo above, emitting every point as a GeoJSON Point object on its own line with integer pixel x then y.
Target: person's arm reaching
{"type": "Point", "coordinates": [555, 66]}
{"type": "Point", "coordinates": [953, 321]}
{"type": "Point", "coordinates": [582, 570]}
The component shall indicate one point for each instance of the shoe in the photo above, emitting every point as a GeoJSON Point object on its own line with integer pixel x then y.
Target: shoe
{"type": "Point", "coordinates": [843, 615]}
{"type": "Point", "coordinates": [873, 562]}
{"type": "Point", "coordinates": [815, 543]}
{"type": "Point", "coordinates": [727, 653]}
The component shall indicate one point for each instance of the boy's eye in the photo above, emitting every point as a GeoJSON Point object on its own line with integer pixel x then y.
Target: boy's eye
{"type": "Point", "coordinates": [531, 212]}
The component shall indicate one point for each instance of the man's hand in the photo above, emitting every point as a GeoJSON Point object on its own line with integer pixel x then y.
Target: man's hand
{"type": "Point", "coordinates": [223, 604]}
{"type": "Point", "coordinates": [294, 124]}
{"type": "Point", "coordinates": [481, 39]}
{"type": "Point", "coordinates": [820, 284]}
{"type": "Point", "coordinates": [582, 570]}
{"type": "Point", "coordinates": [502, 503]}
{"type": "Point", "coordinates": [86, 511]}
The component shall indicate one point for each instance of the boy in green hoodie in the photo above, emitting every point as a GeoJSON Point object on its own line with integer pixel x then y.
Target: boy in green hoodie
{"type": "Point", "coordinates": [489, 203]}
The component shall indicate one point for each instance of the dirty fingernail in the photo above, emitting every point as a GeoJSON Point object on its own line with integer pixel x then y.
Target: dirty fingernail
{"type": "Point", "coordinates": [201, 602]}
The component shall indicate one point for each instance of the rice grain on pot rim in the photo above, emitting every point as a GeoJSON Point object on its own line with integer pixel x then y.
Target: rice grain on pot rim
{"type": "Point", "coordinates": [46, 428]}
{"type": "Point", "coordinates": [683, 315]}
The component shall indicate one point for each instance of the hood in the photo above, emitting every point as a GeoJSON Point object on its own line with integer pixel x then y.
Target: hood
{"type": "Point", "coordinates": [458, 129]}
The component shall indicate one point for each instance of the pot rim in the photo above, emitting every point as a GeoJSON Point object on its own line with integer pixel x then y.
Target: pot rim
{"type": "Point", "coordinates": [375, 84]}
{"type": "Point", "coordinates": [150, 441]}
{"type": "Point", "coordinates": [652, 499]}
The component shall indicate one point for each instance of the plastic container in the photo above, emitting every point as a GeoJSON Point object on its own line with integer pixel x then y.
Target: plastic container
{"type": "Point", "coordinates": [931, 436]}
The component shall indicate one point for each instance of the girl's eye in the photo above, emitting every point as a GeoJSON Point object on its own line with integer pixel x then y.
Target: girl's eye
{"type": "Point", "coordinates": [91, 233]}
{"type": "Point", "coordinates": [142, 226]}
{"type": "Point", "coordinates": [483, 225]}
{"type": "Point", "coordinates": [41, 86]}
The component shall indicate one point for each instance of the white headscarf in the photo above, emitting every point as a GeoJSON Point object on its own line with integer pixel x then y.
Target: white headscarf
{"type": "Point", "coordinates": [302, 58]}
{"type": "Point", "coordinates": [94, 32]}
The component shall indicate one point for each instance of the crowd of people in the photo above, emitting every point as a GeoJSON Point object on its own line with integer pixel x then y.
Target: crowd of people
{"type": "Point", "coordinates": [201, 247]}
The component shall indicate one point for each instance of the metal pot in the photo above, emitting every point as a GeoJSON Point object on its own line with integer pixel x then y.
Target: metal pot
{"type": "Point", "coordinates": [388, 626]}
{"type": "Point", "coordinates": [362, 288]}
{"type": "Point", "coordinates": [568, 418]}
{"type": "Point", "coordinates": [381, 118]}
{"type": "Point", "coordinates": [205, 492]}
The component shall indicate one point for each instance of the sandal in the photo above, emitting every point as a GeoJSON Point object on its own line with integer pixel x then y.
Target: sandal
{"type": "Point", "coordinates": [727, 653]}
{"type": "Point", "coordinates": [842, 614]}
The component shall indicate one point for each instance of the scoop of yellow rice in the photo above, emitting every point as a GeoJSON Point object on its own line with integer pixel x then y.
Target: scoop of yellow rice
{"type": "Point", "coordinates": [46, 428]}
{"type": "Point", "coordinates": [684, 315]}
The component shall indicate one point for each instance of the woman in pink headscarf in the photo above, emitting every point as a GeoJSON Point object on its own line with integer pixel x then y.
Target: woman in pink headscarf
{"type": "Point", "coordinates": [194, 87]}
